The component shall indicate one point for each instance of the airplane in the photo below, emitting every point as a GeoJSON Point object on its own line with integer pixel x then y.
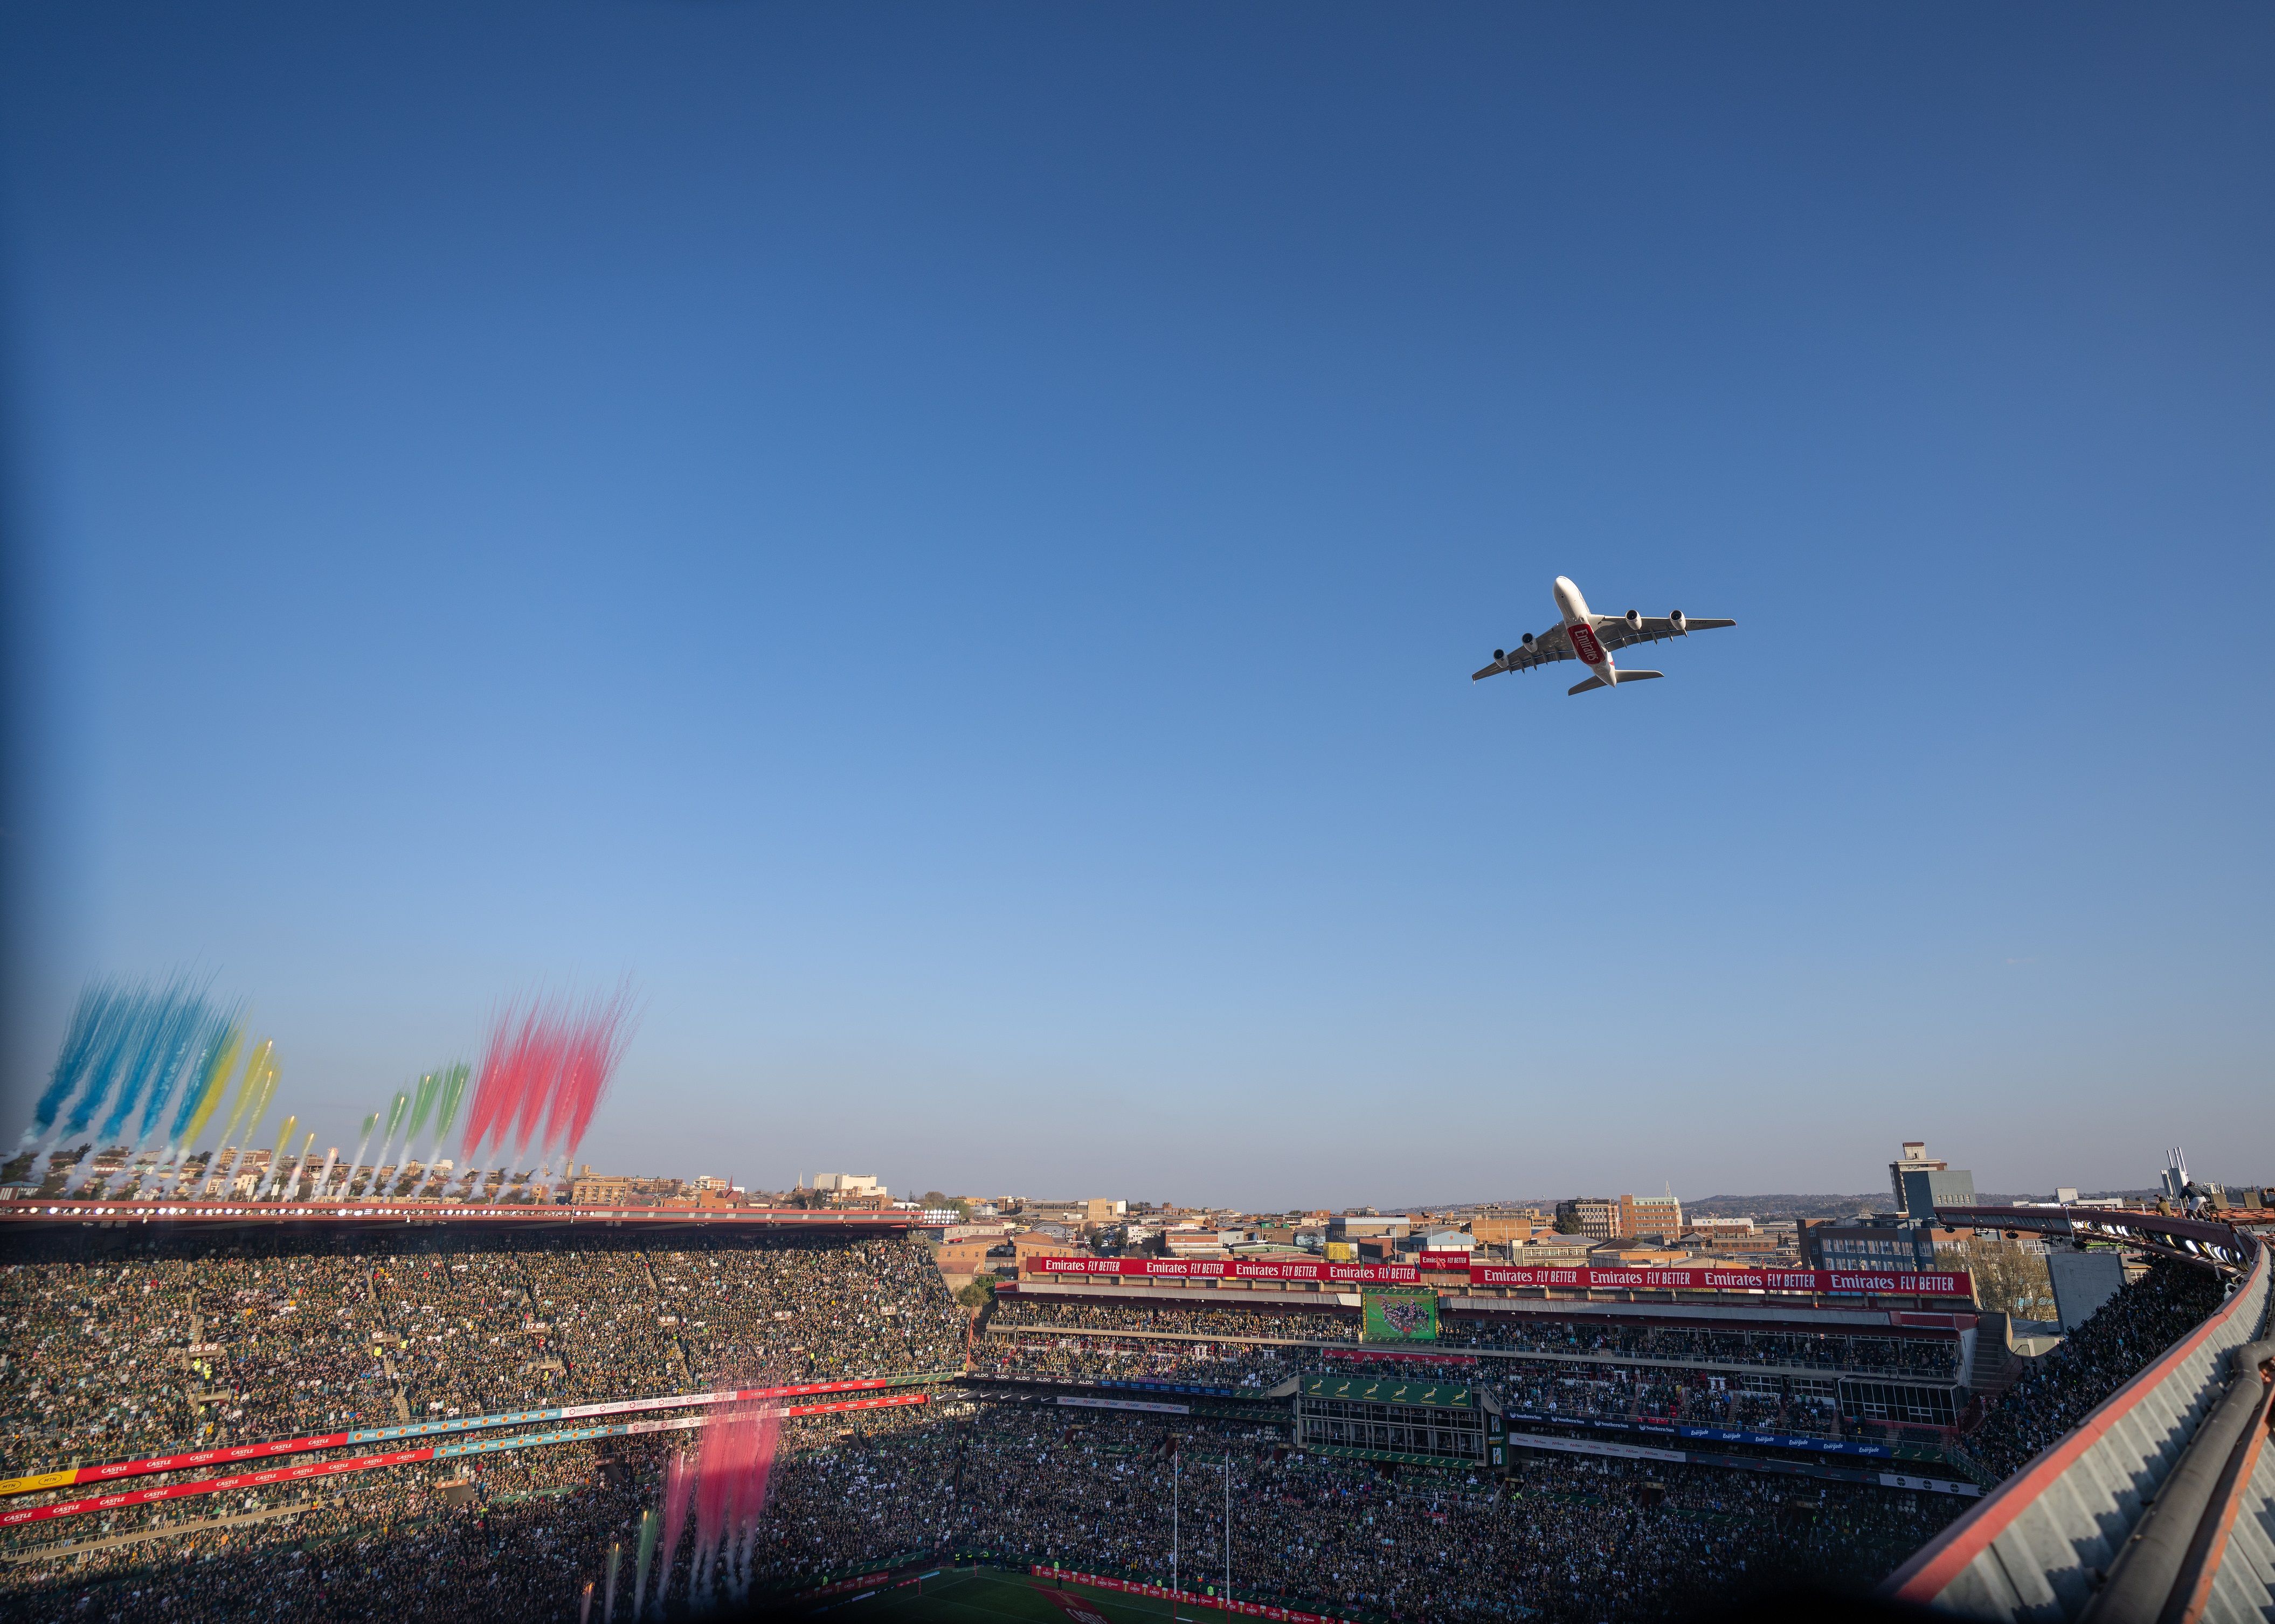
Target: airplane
{"type": "Point", "coordinates": [1590, 638]}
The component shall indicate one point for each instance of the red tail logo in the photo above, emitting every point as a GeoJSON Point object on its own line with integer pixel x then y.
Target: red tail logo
{"type": "Point", "coordinates": [1583, 641]}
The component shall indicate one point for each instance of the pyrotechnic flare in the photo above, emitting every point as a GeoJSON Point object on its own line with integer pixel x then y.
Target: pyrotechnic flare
{"type": "Point", "coordinates": [608, 1586]}
{"type": "Point", "coordinates": [300, 1167]}
{"type": "Point", "coordinates": [677, 1480]}
{"type": "Point", "coordinates": [348, 1183]}
{"type": "Point", "coordinates": [640, 1562]}
{"type": "Point", "coordinates": [446, 1111]}
{"type": "Point", "coordinates": [199, 1103]}
{"type": "Point", "coordinates": [324, 1179]}
{"type": "Point", "coordinates": [276, 1157]}
{"type": "Point", "coordinates": [261, 1073]}
{"type": "Point", "coordinates": [397, 1109]}
{"type": "Point", "coordinates": [422, 1101]}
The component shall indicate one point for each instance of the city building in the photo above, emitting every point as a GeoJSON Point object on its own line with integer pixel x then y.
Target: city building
{"type": "Point", "coordinates": [1911, 1157]}
{"type": "Point", "coordinates": [586, 1190]}
{"type": "Point", "coordinates": [1882, 1245]}
{"type": "Point", "coordinates": [1595, 1217]}
{"type": "Point", "coordinates": [1641, 1215]}
{"type": "Point", "coordinates": [1358, 1227]}
{"type": "Point", "coordinates": [849, 1184]}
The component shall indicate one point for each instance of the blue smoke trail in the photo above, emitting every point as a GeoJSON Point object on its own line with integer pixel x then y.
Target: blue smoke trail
{"type": "Point", "coordinates": [193, 1040]}
{"type": "Point", "coordinates": [132, 1017]}
{"type": "Point", "coordinates": [88, 1020]}
{"type": "Point", "coordinates": [173, 1017]}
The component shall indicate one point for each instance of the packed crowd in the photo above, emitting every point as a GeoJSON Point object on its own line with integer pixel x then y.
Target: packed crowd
{"type": "Point", "coordinates": [2056, 1391]}
{"type": "Point", "coordinates": [114, 1345]}
{"type": "Point", "coordinates": [1933, 1358]}
{"type": "Point", "coordinates": [1562, 1538]}
{"type": "Point", "coordinates": [1926, 1357]}
{"type": "Point", "coordinates": [1327, 1324]}
{"type": "Point", "coordinates": [1580, 1391]}
{"type": "Point", "coordinates": [1097, 1358]}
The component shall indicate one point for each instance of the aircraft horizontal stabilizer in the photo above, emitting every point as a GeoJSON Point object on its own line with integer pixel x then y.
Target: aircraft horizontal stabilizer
{"type": "Point", "coordinates": [1598, 682]}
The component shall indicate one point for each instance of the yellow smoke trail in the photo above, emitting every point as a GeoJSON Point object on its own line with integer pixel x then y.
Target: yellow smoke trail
{"type": "Point", "coordinates": [276, 1156]}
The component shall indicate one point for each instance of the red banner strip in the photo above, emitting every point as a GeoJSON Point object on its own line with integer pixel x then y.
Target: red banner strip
{"type": "Point", "coordinates": [1232, 1268]}
{"type": "Point", "coordinates": [214, 1486]}
{"type": "Point", "coordinates": [1815, 1281]}
{"type": "Point", "coordinates": [271, 1448]}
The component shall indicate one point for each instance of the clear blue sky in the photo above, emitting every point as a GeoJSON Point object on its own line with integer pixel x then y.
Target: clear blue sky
{"type": "Point", "coordinates": [949, 542]}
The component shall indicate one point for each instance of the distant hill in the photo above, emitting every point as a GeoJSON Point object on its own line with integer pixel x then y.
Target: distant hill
{"type": "Point", "coordinates": [1787, 1206]}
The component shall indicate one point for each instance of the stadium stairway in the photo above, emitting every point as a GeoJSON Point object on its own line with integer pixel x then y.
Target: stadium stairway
{"type": "Point", "coordinates": [1996, 1364]}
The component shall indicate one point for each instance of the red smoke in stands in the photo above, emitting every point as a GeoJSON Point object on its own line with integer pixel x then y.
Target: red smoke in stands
{"type": "Point", "coordinates": [730, 1493]}
{"type": "Point", "coordinates": [548, 1063]}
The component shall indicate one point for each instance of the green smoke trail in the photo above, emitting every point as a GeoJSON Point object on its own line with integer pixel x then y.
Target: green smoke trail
{"type": "Point", "coordinates": [422, 1101]}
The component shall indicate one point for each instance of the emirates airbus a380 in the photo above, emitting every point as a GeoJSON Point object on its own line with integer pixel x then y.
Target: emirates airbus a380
{"type": "Point", "coordinates": [1590, 638]}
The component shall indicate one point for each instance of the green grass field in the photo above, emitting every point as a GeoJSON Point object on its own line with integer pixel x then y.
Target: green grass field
{"type": "Point", "coordinates": [970, 1596]}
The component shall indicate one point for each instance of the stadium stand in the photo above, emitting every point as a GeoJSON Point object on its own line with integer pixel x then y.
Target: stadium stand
{"type": "Point", "coordinates": [1082, 1420]}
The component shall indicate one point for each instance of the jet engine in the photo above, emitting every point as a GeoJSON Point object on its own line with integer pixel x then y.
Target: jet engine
{"type": "Point", "coordinates": [1528, 639]}
{"type": "Point", "coordinates": [1634, 619]}
{"type": "Point", "coordinates": [1498, 655]}
{"type": "Point", "coordinates": [1675, 619]}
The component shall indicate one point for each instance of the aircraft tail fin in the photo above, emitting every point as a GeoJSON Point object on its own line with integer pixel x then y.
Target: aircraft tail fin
{"type": "Point", "coordinates": [1624, 676]}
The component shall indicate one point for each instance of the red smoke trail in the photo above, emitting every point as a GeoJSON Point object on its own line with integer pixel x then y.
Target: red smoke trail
{"type": "Point", "coordinates": [493, 1090]}
{"type": "Point", "coordinates": [548, 1064]}
{"type": "Point", "coordinates": [544, 1040]}
{"type": "Point", "coordinates": [730, 1493]}
{"type": "Point", "coordinates": [590, 1052]}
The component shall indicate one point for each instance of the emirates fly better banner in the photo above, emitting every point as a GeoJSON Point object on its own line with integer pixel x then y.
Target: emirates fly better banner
{"type": "Point", "coordinates": [1821, 1281]}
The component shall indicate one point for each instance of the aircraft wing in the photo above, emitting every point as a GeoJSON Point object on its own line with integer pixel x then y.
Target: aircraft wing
{"type": "Point", "coordinates": [1614, 631]}
{"type": "Point", "coordinates": [1550, 647]}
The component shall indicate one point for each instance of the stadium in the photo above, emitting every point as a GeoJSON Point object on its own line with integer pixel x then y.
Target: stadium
{"type": "Point", "coordinates": [416, 1409]}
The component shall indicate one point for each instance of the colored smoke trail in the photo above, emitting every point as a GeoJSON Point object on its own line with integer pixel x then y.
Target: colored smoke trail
{"type": "Point", "coordinates": [678, 1478]}
{"type": "Point", "coordinates": [548, 1066]}
{"type": "Point", "coordinates": [730, 1495]}
{"type": "Point", "coordinates": [647, 1526]}
{"type": "Point", "coordinates": [422, 1102]}
{"type": "Point", "coordinates": [253, 1095]}
{"type": "Point", "coordinates": [363, 1144]}
{"type": "Point", "coordinates": [397, 1109]}
{"type": "Point", "coordinates": [276, 1156]}
{"type": "Point", "coordinates": [201, 1099]}
{"type": "Point", "coordinates": [83, 1036]}
{"type": "Point", "coordinates": [446, 1111]}
{"type": "Point", "coordinates": [125, 1049]}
